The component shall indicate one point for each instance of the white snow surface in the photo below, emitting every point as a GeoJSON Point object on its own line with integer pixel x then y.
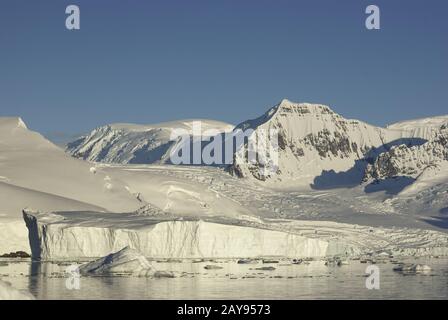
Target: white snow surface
{"type": "Point", "coordinates": [31, 163]}
{"type": "Point", "coordinates": [36, 173]}
{"type": "Point", "coordinates": [422, 128]}
{"type": "Point", "coordinates": [172, 194]}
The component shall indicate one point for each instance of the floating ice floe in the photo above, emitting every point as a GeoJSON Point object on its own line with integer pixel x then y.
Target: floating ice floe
{"type": "Point", "coordinates": [270, 261]}
{"type": "Point", "coordinates": [337, 261]}
{"type": "Point", "coordinates": [265, 268]}
{"type": "Point", "coordinates": [212, 267]}
{"type": "Point", "coordinates": [247, 261]}
{"type": "Point", "coordinates": [304, 261]}
{"type": "Point", "coordinates": [163, 274]}
{"type": "Point", "coordinates": [125, 261]}
{"type": "Point", "coordinates": [412, 268]}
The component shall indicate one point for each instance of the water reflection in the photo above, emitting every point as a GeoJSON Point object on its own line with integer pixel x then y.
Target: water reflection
{"type": "Point", "coordinates": [314, 281]}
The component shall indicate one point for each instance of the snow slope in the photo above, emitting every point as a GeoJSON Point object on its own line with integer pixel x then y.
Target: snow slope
{"type": "Point", "coordinates": [130, 143]}
{"type": "Point", "coordinates": [36, 173]}
{"type": "Point", "coordinates": [422, 128]}
{"type": "Point", "coordinates": [30, 161]}
{"type": "Point", "coordinates": [174, 195]}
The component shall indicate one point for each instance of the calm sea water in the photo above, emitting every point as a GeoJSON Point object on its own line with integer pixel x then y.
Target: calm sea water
{"type": "Point", "coordinates": [234, 281]}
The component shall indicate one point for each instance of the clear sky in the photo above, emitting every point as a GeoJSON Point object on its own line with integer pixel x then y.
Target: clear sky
{"type": "Point", "coordinates": [158, 60]}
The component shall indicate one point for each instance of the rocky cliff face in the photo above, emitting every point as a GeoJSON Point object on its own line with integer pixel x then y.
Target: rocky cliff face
{"type": "Point", "coordinates": [312, 139]}
{"type": "Point", "coordinates": [411, 161]}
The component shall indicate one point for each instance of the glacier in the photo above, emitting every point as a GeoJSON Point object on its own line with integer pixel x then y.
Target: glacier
{"type": "Point", "coordinates": [322, 201]}
{"type": "Point", "coordinates": [60, 236]}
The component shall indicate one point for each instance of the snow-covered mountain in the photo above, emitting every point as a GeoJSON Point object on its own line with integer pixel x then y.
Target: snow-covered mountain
{"type": "Point", "coordinates": [316, 146]}
{"type": "Point", "coordinates": [86, 210]}
{"type": "Point", "coordinates": [30, 163]}
{"type": "Point", "coordinates": [138, 144]}
{"type": "Point", "coordinates": [313, 140]}
{"type": "Point", "coordinates": [424, 128]}
{"type": "Point", "coordinates": [413, 161]}
{"type": "Point", "coordinates": [36, 173]}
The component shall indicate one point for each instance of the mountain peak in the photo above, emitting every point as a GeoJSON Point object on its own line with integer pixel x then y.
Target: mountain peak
{"type": "Point", "coordinates": [21, 123]}
{"type": "Point", "coordinates": [304, 107]}
{"type": "Point", "coordinates": [12, 122]}
{"type": "Point", "coordinates": [312, 139]}
{"type": "Point", "coordinates": [285, 103]}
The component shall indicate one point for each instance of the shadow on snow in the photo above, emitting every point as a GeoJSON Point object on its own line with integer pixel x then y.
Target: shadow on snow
{"type": "Point", "coordinates": [353, 177]}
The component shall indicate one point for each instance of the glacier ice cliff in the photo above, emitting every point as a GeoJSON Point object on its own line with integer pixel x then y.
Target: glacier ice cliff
{"type": "Point", "coordinates": [66, 235]}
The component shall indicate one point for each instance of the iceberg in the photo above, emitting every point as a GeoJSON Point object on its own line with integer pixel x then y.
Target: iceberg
{"type": "Point", "coordinates": [412, 268]}
{"type": "Point", "coordinates": [125, 261]}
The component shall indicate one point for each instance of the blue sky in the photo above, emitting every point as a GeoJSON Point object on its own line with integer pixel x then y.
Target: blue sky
{"type": "Point", "coordinates": [153, 61]}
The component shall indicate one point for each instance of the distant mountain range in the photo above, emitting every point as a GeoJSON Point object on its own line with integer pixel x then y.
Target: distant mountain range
{"type": "Point", "coordinates": [402, 168]}
{"type": "Point", "coordinates": [316, 146]}
{"type": "Point", "coordinates": [137, 144]}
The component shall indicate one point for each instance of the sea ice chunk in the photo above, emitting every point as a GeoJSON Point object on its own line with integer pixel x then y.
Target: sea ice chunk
{"type": "Point", "coordinates": [126, 260]}
{"type": "Point", "coordinates": [412, 268]}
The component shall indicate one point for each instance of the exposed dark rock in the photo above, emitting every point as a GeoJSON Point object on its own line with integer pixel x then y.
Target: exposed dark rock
{"type": "Point", "coordinates": [17, 254]}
